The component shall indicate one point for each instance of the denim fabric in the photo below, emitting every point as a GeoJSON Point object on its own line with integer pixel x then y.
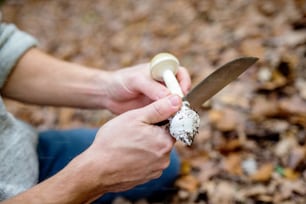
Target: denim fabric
{"type": "Point", "coordinates": [57, 148]}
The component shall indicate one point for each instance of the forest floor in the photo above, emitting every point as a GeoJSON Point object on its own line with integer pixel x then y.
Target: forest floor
{"type": "Point", "coordinates": [251, 147]}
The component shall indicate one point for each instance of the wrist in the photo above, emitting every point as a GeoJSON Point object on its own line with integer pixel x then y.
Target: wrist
{"type": "Point", "coordinates": [77, 183]}
{"type": "Point", "coordinates": [83, 170]}
{"type": "Point", "coordinates": [97, 91]}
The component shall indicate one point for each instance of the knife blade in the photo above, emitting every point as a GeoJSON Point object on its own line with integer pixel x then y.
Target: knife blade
{"type": "Point", "coordinates": [218, 80]}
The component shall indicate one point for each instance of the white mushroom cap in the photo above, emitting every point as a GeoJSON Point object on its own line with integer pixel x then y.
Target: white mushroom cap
{"type": "Point", "coordinates": [164, 67]}
{"type": "Point", "coordinates": [162, 62]}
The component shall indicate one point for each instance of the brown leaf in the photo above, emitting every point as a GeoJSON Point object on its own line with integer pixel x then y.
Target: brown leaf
{"type": "Point", "coordinates": [254, 190]}
{"type": "Point", "coordinates": [263, 106]}
{"type": "Point", "coordinates": [263, 174]}
{"type": "Point", "coordinates": [223, 192]}
{"type": "Point", "coordinates": [185, 167]}
{"type": "Point", "coordinates": [208, 170]}
{"type": "Point", "coordinates": [226, 119]}
{"type": "Point", "coordinates": [284, 146]}
{"type": "Point", "coordinates": [188, 182]}
{"type": "Point", "coordinates": [121, 200]}
{"type": "Point", "coordinates": [236, 94]}
{"type": "Point", "coordinates": [293, 105]}
{"type": "Point", "coordinates": [301, 86]}
{"type": "Point", "coordinates": [277, 80]}
{"type": "Point", "coordinates": [230, 146]}
{"type": "Point", "coordinates": [296, 156]}
{"type": "Point", "coordinates": [232, 164]}
{"type": "Point", "coordinates": [253, 47]}
{"type": "Point", "coordinates": [281, 74]}
{"type": "Point", "coordinates": [295, 108]}
{"type": "Point", "coordinates": [290, 174]}
{"type": "Point", "coordinates": [269, 8]}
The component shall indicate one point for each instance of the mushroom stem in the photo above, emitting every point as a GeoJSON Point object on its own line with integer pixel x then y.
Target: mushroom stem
{"type": "Point", "coordinates": [172, 83]}
{"type": "Point", "coordinates": [184, 124]}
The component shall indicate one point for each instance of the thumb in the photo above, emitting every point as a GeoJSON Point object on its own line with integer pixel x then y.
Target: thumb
{"type": "Point", "coordinates": [161, 109]}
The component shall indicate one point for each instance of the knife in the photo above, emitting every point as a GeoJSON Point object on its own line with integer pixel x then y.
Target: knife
{"type": "Point", "coordinates": [217, 81]}
{"type": "Point", "coordinates": [207, 88]}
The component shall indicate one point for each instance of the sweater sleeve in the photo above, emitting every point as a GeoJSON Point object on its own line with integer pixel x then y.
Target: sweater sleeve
{"type": "Point", "coordinates": [13, 44]}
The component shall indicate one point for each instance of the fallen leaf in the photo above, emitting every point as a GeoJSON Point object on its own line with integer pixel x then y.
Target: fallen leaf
{"type": "Point", "coordinates": [293, 105]}
{"type": "Point", "coordinates": [284, 146]}
{"type": "Point", "coordinates": [290, 174]}
{"type": "Point", "coordinates": [224, 192]}
{"type": "Point", "coordinates": [262, 107]}
{"type": "Point", "coordinates": [253, 47]}
{"type": "Point", "coordinates": [291, 38]}
{"type": "Point", "coordinates": [269, 8]}
{"type": "Point", "coordinates": [232, 164]}
{"type": "Point", "coordinates": [263, 174]}
{"type": "Point", "coordinates": [296, 157]}
{"type": "Point", "coordinates": [230, 145]}
{"type": "Point", "coordinates": [121, 200]}
{"type": "Point", "coordinates": [253, 191]}
{"type": "Point", "coordinates": [281, 74]}
{"type": "Point", "coordinates": [301, 86]}
{"type": "Point", "coordinates": [208, 170]}
{"type": "Point", "coordinates": [188, 182]}
{"type": "Point", "coordinates": [236, 94]}
{"type": "Point", "coordinates": [226, 119]}
{"type": "Point", "coordinates": [183, 194]}
{"type": "Point", "coordinates": [185, 167]}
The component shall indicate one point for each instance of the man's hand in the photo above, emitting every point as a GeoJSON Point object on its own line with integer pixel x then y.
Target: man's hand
{"type": "Point", "coordinates": [133, 87]}
{"type": "Point", "coordinates": [59, 83]}
{"type": "Point", "coordinates": [130, 149]}
{"type": "Point", "coordinates": [127, 151]}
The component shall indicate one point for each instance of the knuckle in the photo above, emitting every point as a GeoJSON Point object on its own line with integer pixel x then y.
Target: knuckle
{"type": "Point", "coordinates": [157, 174]}
{"type": "Point", "coordinates": [162, 163]}
{"type": "Point", "coordinates": [164, 148]}
{"type": "Point", "coordinates": [163, 142]}
{"type": "Point", "coordinates": [167, 144]}
{"type": "Point", "coordinates": [170, 142]}
{"type": "Point", "coordinates": [166, 163]}
{"type": "Point", "coordinates": [157, 109]}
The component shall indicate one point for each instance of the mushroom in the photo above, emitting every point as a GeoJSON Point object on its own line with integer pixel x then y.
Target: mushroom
{"type": "Point", "coordinates": [185, 123]}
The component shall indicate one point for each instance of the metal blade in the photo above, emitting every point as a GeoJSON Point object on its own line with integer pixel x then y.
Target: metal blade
{"type": "Point", "coordinates": [218, 80]}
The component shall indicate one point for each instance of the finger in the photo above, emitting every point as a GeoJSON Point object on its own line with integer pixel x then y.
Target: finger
{"type": "Point", "coordinates": [156, 174]}
{"type": "Point", "coordinates": [152, 89]}
{"type": "Point", "coordinates": [160, 110]}
{"type": "Point", "coordinates": [184, 80]}
{"type": "Point", "coordinates": [138, 102]}
{"type": "Point", "coordinates": [120, 107]}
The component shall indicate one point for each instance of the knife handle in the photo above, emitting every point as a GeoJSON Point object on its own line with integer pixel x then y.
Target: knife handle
{"type": "Point", "coordinates": [164, 67]}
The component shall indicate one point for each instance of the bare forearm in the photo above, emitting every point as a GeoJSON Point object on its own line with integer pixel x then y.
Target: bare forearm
{"type": "Point", "coordinates": [44, 80]}
{"type": "Point", "coordinates": [74, 184]}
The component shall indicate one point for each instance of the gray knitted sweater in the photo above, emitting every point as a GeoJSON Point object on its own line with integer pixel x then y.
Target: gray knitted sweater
{"type": "Point", "coordinates": [18, 157]}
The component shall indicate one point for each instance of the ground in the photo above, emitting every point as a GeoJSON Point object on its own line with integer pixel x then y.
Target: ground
{"type": "Point", "coordinates": [251, 147]}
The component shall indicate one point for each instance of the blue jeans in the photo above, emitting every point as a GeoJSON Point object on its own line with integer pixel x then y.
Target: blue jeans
{"type": "Point", "coordinates": [56, 148]}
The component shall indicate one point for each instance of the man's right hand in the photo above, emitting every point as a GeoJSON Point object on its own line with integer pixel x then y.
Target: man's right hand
{"type": "Point", "coordinates": [130, 150]}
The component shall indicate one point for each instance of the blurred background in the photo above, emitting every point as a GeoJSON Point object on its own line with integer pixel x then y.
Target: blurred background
{"type": "Point", "coordinates": [252, 142]}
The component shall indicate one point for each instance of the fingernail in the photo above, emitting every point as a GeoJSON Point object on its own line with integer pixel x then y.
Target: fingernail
{"type": "Point", "coordinates": [174, 100]}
